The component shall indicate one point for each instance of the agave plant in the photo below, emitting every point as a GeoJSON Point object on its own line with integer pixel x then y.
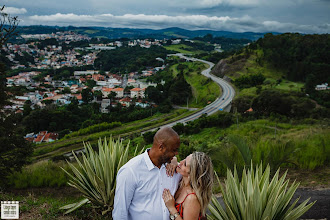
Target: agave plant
{"type": "Point", "coordinates": [95, 175]}
{"type": "Point", "coordinates": [256, 197]}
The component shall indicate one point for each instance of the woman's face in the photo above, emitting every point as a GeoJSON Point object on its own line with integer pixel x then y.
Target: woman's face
{"type": "Point", "coordinates": [184, 166]}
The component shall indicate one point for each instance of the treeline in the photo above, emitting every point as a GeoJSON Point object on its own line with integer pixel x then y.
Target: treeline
{"type": "Point", "coordinates": [298, 55]}
{"type": "Point", "coordinates": [226, 43]}
{"type": "Point", "coordinates": [270, 102]}
{"type": "Point", "coordinates": [304, 58]}
{"type": "Point", "coordinates": [128, 59]}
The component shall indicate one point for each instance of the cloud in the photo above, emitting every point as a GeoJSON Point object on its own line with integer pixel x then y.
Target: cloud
{"type": "Point", "coordinates": [14, 11]}
{"type": "Point", "coordinates": [213, 3]}
{"type": "Point", "coordinates": [192, 22]}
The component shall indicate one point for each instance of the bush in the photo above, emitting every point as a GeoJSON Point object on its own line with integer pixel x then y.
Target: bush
{"type": "Point", "coordinates": [41, 174]}
{"type": "Point", "coordinates": [95, 175]}
{"type": "Point", "coordinates": [257, 197]}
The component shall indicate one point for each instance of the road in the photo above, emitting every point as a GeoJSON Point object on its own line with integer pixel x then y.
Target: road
{"type": "Point", "coordinates": [219, 104]}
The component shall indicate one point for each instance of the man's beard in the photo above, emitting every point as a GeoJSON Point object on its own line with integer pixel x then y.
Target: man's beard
{"type": "Point", "coordinates": [163, 159]}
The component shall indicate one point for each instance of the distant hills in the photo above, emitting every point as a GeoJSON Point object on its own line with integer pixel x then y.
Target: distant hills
{"type": "Point", "coordinates": [116, 33]}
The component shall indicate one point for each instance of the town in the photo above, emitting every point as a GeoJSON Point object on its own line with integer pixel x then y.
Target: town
{"type": "Point", "coordinates": [109, 89]}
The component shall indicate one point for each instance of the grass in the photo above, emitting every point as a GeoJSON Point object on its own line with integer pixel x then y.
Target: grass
{"type": "Point", "coordinates": [62, 146]}
{"type": "Point", "coordinates": [299, 146]}
{"type": "Point", "coordinates": [45, 203]}
{"type": "Point", "coordinates": [91, 31]}
{"type": "Point", "coordinates": [250, 66]}
{"type": "Point", "coordinates": [40, 174]}
{"type": "Point", "coordinates": [182, 48]}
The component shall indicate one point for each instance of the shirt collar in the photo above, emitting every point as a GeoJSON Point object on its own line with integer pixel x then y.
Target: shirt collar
{"type": "Point", "coordinates": [148, 161]}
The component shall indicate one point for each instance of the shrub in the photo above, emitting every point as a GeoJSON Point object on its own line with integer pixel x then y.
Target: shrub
{"type": "Point", "coordinates": [41, 174]}
{"type": "Point", "coordinates": [257, 197]}
{"type": "Point", "coordinates": [95, 175]}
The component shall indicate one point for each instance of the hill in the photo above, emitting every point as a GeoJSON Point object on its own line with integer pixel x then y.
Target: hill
{"type": "Point", "coordinates": [116, 33]}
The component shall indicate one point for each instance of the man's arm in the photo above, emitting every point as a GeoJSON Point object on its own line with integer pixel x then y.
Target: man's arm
{"type": "Point", "coordinates": [125, 188]}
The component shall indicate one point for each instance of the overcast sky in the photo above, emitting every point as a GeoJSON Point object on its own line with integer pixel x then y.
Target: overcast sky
{"type": "Point", "coordinates": [304, 16]}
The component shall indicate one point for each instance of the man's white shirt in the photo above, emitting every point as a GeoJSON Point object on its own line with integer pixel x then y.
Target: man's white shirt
{"type": "Point", "coordinates": [139, 190]}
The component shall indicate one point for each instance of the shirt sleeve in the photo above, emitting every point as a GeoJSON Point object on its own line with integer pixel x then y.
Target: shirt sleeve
{"type": "Point", "coordinates": [125, 188]}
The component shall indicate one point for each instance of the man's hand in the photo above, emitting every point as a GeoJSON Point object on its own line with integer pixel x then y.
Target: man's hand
{"type": "Point", "coordinates": [171, 167]}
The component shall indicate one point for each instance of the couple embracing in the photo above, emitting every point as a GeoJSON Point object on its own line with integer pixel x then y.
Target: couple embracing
{"type": "Point", "coordinates": [147, 190]}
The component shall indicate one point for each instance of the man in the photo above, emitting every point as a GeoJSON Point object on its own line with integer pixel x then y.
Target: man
{"type": "Point", "coordinates": [141, 181]}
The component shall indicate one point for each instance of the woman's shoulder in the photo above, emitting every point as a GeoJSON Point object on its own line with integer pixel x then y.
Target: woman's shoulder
{"type": "Point", "coordinates": [191, 196]}
{"type": "Point", "coordinates": [192, 201]}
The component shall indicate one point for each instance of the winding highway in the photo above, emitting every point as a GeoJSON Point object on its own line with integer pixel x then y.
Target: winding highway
{"type": "Point", "coordinates": [219, 104]}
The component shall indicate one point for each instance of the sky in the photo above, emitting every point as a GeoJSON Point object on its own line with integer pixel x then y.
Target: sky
{"type": "Point", "coordinates": [303, 16]}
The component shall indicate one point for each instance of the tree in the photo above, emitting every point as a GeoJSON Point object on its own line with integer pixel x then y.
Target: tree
{"type": "Point", "coordinates": [14, 150]}
{"type": "Point", "coordinates": [153, 94]}
{"type": "Point", "coordinates": [87, 95]}
{"type": "Point", "coordinates": [8, 26]}
{"type": "Point", "coordinates": [98, 95]}
{"type": "Point", "coordinates": [90, 83]}
{"type": "Point", "coordinates": [112, 95]}
{"type": "Point", "coordinates": [66, 90]}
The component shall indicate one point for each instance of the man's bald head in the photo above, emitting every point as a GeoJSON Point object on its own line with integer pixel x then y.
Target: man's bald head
{"type": "Point", "coordinates": [165, 133]}
{"type": "Point", "coordinates": [165, 146]}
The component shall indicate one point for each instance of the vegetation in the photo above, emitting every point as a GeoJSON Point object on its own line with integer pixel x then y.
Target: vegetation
{"type": "Point", "coordinates": [95, 175]}
{"type": "Point", "coordinates": [40, 174]}
{"type": "Point", "coordinates": [301, 57]}
{"type": "Point", "coordinates": [14, 151]}
{"type": "Point", "coordinates": [58, 148]}
{"type": "Point", "coordinates": [255, 196]}
{"type": "Point", "coordinates": [298, 145]}
{"type": "Point", "coordinates": [128, 59]}
{"type": "Point", "coordinates": [183, 81]}
{"type": "Point", "coordinates": [226, 43]}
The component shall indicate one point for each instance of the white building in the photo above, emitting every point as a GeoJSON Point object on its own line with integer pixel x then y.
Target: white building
{"type": "Point", "coordinates": [323, 86]}
{"type": "Point", "coordinates": [137, 93]}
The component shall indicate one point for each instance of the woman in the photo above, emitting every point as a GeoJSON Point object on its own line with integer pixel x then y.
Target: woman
{"type": "Point", "coordinates": [195, 190]}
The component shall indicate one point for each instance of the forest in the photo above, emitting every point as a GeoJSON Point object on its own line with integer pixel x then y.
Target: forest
{"type": "Point", "coordinates": [303, 58]}
{"type": "Point", "coordinates": [130, 59]}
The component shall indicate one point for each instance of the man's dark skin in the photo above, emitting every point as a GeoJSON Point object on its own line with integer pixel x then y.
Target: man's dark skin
{"type": "Point", "coordinates": [165, 146]}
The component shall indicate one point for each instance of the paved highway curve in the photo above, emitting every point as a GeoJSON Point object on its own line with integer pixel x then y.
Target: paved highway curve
{"type": "Point", "coordinates": [219, 104]}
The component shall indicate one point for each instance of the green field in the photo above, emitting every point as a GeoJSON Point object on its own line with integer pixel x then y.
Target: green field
{"type": "Point", "coordinates": [182, 48]}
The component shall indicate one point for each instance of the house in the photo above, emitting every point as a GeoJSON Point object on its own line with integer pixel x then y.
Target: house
{"type": "Point", "coordinates": [98, 77]}
{"type": "Point", "coordinates": [125, 101]}
{"type": "Point", "coordinates": [45, 136]}
{"type": "Point", "coordinates": [137, 93]}
{"type": "Point", "coordinates": [131, 82]}
{"type": "Point", "coordinates": [50, 137]}
{"type": "Point", "coordinates": [142, 104]}
{"type": "Point", "coordinates": [104, 106]}
{"type": "Point", "coordinates": [323, 86]}
{"type": "Point", "coordinates": [106, 92]}
{"type": "Point", "coordinates": [119, 92]}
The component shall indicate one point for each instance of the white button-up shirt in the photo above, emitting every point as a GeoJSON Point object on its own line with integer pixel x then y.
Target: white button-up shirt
{"type": "Point", "coordinates": [139, 190]}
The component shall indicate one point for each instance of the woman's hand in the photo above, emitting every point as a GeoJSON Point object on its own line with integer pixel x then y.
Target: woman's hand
{"type": "Point", "coordinates": [171, 167]}
{"type": "Point", "coordinates": [168, 200]}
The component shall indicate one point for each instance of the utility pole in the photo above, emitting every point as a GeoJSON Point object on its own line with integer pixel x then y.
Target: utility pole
{"type": "Point", "coordinates": [187, 102]}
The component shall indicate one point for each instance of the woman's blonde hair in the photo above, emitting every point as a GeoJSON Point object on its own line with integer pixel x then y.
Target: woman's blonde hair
{"type": "Point", "coordinates": [201, 178]}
